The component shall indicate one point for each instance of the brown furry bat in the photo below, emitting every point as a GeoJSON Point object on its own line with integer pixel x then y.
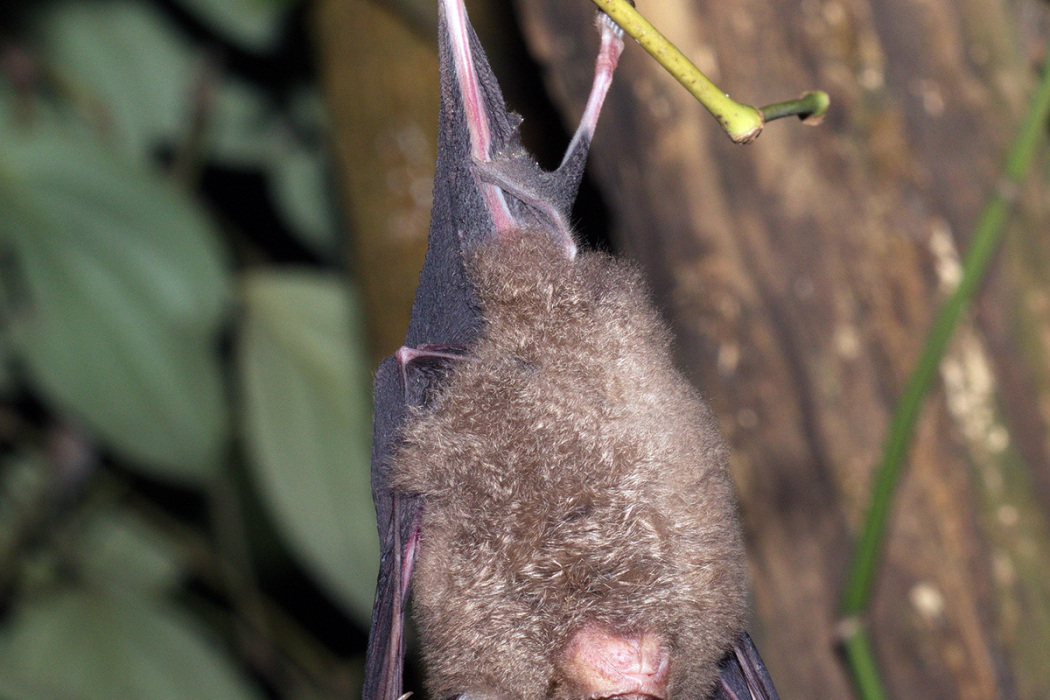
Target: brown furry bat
{"type": "Point", "coordinates": [579, 534]}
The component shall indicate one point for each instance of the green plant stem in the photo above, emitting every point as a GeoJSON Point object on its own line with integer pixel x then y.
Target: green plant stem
{"type": "Point", "coordinates": [983, 246]}
{"type": "Point", "coordinates": [743, 123]}
{"type": "Point", "coordinates": [856, 644]}
{"type": "Point", "coordinates": [810, 108]}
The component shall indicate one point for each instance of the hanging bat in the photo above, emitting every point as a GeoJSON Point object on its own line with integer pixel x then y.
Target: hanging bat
{"type": "Point", "coordinates": [554, 491]}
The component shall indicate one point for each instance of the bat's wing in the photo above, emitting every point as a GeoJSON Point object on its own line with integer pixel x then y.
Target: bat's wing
{"type": "Point", "coordinates": [398, 521]}
{"type": "Point", "coordinates": [743, 675]}
{"type": "Point", "coordinates": [486, 185]}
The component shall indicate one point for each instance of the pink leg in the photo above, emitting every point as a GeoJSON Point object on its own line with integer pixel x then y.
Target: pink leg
{"type": "Point", "coordinates": [507, 176]}
{"type": "Point", "coordinates": [604, 66]}
{"type": "Point", "coordinates": [474, 105]}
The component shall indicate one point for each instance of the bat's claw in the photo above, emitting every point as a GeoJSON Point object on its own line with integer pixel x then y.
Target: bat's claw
{"type": "Point", "coordinates": [605, 25]}
{"type": "Point", "coordinates": [433, 355]}
{"type": "Point", "coordinates": [406, 355]}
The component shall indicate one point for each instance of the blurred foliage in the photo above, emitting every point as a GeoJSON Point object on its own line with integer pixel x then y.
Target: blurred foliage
{"type": "Point", "coordinates": [296, 360]}
{"type": "Point", "coordinates": [184, 396]}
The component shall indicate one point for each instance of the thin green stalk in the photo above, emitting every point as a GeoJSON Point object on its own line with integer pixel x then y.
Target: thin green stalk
{"type": "Point", "coordinates": [743, 123]}
{"type": "Point", "coordinates": [810, 108]}
{"type": "Point", "coordinates": [983, 246]}
{"type": "Point", "coordinates": [856, 644]}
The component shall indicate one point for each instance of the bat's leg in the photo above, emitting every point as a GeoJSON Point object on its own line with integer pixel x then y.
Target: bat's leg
{"type": "Point", "coordinates": [553, 196]}
{"type": "Point", "coordinates": [458, 27]}
{"type": "Point", "coordinates": [515, 178]}
{"type": "Point", "coordinates": [604, 67]}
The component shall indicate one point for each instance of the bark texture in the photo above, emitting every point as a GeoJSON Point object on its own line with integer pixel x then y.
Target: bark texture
{"type": "Point", "coordinates": [800, 274]}
{"type": "Point", "coordinates": [381, 82]}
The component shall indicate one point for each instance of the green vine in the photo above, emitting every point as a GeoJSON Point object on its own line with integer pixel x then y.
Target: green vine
{"type": "Point", "coordinates": [984, 244]}
{"type": "Point", "coordinates": [743, 123]}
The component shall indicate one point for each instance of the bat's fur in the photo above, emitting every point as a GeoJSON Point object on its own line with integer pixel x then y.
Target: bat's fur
{"type": "Point", "coordinates": [570, 476]}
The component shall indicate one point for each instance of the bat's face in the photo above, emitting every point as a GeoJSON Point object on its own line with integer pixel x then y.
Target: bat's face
{"type": "Point", "coordinates": [554, 489]}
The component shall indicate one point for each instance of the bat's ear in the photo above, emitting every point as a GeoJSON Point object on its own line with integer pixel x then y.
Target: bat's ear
{"type": "Point", "coordinates": [742, 675]}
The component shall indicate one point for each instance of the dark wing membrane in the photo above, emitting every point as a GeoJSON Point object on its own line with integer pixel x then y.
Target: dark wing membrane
{"type": "Point", "coordinates": [474, 127]}
{"type": "Point", "coordinates": [383, 664]}
{"type": "Point", "coordinates": [445, 311]}
{"type": "Point", "coordinates": [743, 675]}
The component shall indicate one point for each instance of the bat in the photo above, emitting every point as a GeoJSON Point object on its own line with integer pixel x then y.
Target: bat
{"type": "Point", "coordinates": [553, 490]}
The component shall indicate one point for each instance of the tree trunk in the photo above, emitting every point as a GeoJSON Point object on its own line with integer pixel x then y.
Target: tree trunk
{"type": "Point", "coordinates": [381, 83]}
{"type": "Point", "coordinates": [800, 274]}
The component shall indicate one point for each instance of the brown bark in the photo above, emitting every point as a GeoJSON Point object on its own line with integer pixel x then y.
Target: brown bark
{"type": "Point", "coordinates": [380, 79]}
{"type": "Point", "coordinates": [800, 274]}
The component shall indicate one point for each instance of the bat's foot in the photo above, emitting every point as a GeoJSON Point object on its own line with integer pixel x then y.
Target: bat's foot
{"type": "Point", "coordinates": [604, 67]}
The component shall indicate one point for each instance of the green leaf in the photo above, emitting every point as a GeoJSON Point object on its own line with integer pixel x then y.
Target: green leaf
{"type": "Point", "coordinates": [300, 186]}
{"type": "Point", "coordinates": [243, 132]}
{"type": "Point", "coordinates": [86, 645]}
{"type": "Point", "coordinates": [120, 552]}
{"type": "Point", "coordinates": [301, 182]}
{"type": "Point", "coordinates": [250, 133]}
{"type": "Point", "coordinates": [124, 54]}
{"type": "Point", "coordinates": [254, 24]}
{"type": "Point", "coordinates": [22, 478]}
{"type": "Point", "coordinates": [121, 287]}
{"type": "Point", "coordinates": [7, 377]}
{"type": "Point", "coordinates": [305, 391]}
